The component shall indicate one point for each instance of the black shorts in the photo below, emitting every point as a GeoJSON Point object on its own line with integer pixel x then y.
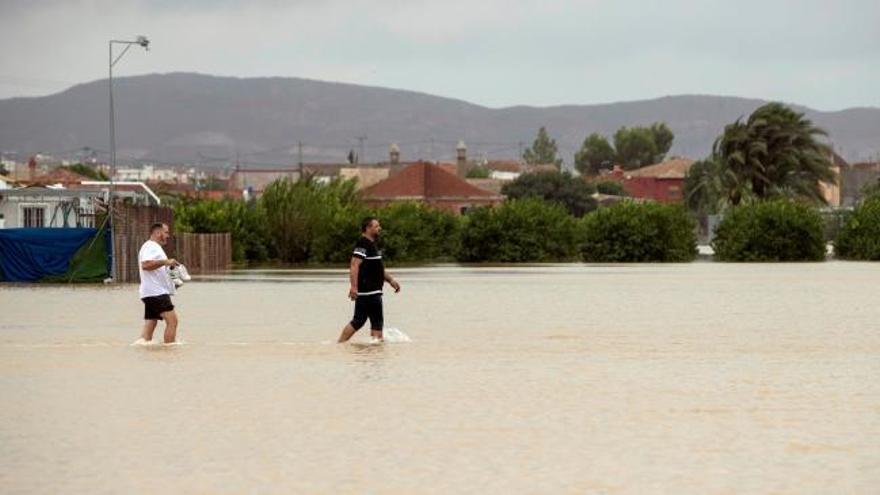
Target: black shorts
{"type": "Point", "coordinates": [368, 307]}
{"type": "Point", "coordinates": [154, 306]}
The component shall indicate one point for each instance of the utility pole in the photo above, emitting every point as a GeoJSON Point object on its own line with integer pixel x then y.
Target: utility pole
{"type": "Point", "coordinates": [299, 152]}
{"type": "Point", "coordinates": [361, 140]}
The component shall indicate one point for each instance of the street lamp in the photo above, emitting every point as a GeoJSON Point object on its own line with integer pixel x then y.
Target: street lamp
{"type": "Point", "coordinates": [144, 42]}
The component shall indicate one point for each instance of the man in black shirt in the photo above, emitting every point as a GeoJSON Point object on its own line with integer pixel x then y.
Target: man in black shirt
{"type": "Point", "coordinates": [368, 276]}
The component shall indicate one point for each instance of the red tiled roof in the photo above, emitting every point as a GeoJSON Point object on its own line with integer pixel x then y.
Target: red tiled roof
{"type": "Point", "coordinates": [675, 168]}
{"type": "Point", "coordinates": [58, 176]}
{"type": "Point", "coordinates": [425, 180]}
{"type": "Point", "coordinates": [505, 165]}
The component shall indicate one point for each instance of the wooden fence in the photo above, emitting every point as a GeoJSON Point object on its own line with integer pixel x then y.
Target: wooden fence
{"type": "Point", "coordinates": [201, 253]}
{"type": "Point", "coordinates": [204, 253]}
{"type": "Point", "coordinates": [131, 228]}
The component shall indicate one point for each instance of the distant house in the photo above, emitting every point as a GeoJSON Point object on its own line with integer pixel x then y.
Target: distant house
{"type": "Point", "coordinates": [74, 206]}
{"type": "Point", "coordinates": [57, 176]}
{"type": "Point", "coordinates": [6, 182]}
{"type": "Point", "coordinates": [853, 180]}
{"type": "Point", "coordinates": [662, 182]}
{"type": "Point", "coordinates": [256, 180]}
{"type": "Point", "coordinates": [430, 184]}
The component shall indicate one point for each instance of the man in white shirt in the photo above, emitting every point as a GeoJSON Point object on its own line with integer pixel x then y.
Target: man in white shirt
{"type": "Point", "coordinates": [156, 287]}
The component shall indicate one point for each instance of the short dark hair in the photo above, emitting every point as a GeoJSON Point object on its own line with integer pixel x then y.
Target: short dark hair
{"type": "Point", "coordinates": [366, 223]}
{"type": "Point", "coordinates": [156, 226]}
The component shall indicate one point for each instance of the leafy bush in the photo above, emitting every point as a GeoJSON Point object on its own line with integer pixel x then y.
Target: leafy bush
{"type": "Point", "coordinates": [559, 187]}
{"type": "Point", "coordinates": [611, 187]}
{"type": "Point", "coordinates": [778, 230]}
{"type": "Point", "coordinates": [309, 221]}
{"type": "Point", "coordinates": [519, 231]}
{"type": "Point", "coordinates": [479, 173]}
{"type": "Point", "coordinates": [246, 222]}
{"type": "Point", "coordinates": [859, 239]}
{"type": "Point", "coordinates": [639, 232]}
{"type": "Point", "coordinates": [416, 232]}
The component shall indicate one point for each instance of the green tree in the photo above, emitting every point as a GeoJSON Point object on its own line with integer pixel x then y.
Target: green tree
{"type": "Point", "coordinates": [859, 239]}
{"type": "Point", "coordinates": [706, 186]}
{"type": "Point", "coordinates": [663, 138]}
{"type": "Point", "coordinates": [776, 153]}
{"type": "Point", "coordinates": [635, 147]}
{"type": "Point", "coordinates": [543, 150]}
{"type": "Point", "coordinates": [479, 173]}
{"type": "Point", "coordinates": [309, 221]}
{"type": "Point", "coordinates": [87, 171]}
{"type": "Point", "coordinates": [245, 221]}
{"type": "Point", "coordinates": [519, 231]}
{"type": "Point", "coordinates": [417, 232]}
{"type": "Point", "coordinates": [3, 169]}
{"type": "Point", "coordinates": [596, 153]}
{"type": "Point", "coordinates": [611, 187]}
{"type": "Point", "coordinates": [573, 193]}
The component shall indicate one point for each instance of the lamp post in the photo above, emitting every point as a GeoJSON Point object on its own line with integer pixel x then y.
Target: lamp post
{"type": "Point", "coordinates": [144, 42]}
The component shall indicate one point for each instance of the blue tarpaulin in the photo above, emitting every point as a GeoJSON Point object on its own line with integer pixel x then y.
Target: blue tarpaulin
{"type": "Point", "coordinates": [30, 255]}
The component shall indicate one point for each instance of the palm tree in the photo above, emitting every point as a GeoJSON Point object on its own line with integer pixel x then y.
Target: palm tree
{"type": "Point", "coordinates": [776, 152]}
{"type": "Point", "coordinates": [709, 187]}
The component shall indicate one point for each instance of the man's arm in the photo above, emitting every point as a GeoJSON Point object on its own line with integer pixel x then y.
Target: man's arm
{"type": "Point", "coordinates": [390, 280]}
{"type": "Point", "coordinates": [151, 265]}
{"type": "Point", "coordinates": [353, 271]}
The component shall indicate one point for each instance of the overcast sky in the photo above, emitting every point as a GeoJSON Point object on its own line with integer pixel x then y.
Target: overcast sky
{"type": "Point", "coordinates": [820, 53]}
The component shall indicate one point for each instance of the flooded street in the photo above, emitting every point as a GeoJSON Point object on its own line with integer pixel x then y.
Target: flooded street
{"type": "Point", "coordinates": [623, 379]}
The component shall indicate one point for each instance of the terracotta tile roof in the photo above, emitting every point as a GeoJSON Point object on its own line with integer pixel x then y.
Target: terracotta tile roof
{"type": "Point", "coordinates": [505, 165]}
{"type": "Point", "coordinates": [425, 180]}
{"type": "Point", "coordinates": [674, 168]}
{"type": "Point", "coordinates": [491, 185]}
{"type": "Point", "coordinates": [58, 176]}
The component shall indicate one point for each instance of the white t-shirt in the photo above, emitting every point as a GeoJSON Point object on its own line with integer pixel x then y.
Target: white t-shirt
{"type": "Point", "coordinates": [154, 282]}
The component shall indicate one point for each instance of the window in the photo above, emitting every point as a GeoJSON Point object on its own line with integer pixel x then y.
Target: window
{"type": "Point", "coordinates": [33, 216]}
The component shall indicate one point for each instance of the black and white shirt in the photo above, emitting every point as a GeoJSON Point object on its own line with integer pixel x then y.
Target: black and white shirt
{"type": "Point", "coordinates": [371, 276]}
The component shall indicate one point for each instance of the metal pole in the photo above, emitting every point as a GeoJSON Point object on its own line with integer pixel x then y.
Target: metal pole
{"type": "Point", "coordinates": [112, 169]}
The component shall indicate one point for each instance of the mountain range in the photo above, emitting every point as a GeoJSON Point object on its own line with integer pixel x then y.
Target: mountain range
{"type": "Point", "coordinates": [267, 122]}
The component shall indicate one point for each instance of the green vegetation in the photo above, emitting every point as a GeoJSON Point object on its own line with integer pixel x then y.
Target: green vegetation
{"type": "Point", "coordinates": [245, 221]}
{"type": "Point", "coordinates": [705, 186]}
{"type": "Point", "coordinates": [611, 187]}
{"type": "Point", "coordinates": [478, 173]}
{"type": "Point", "coordinates": [639, 232]}
{"type": "Point", "coordinates": [86, 171]}
{"type": "Point", "coordinates": [775, 153]}
{"type": "Point", "coordinates": [415, 232]}
{"type": "Point", "coordinates": [634, 147]}
{"type": "Point", "coordinates": [308, 221]}
{"type": "Point", "coordinates": [779, 230]}
{"type": "Point", "coordinates": [595, 155]}
{"type": "Point", "coordinates": [859, 239]}
{"type": "Point", "coordinates": [571, 192]}
{"type": "Point", "coordinates": [526, 230]}
{"type": "Point", "coordinates": [543, 150]}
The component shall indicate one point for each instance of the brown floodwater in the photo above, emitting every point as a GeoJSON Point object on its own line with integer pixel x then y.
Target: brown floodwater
{"type": "Point", "coordinates": [700, 378]}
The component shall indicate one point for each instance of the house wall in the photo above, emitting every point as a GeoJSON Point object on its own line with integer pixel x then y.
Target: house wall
{"type": "Point", "coordinates": [662, 190]}
{"type": "Point", "coordinates": [12, 209]}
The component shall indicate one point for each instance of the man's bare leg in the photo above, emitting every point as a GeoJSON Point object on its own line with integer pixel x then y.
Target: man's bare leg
{"type": "Point", "coordinates": [149, 327]}
{"type": "Point", "coordinates": [170, 326]}
{"type": "Point", "coordinates": [346, 334]}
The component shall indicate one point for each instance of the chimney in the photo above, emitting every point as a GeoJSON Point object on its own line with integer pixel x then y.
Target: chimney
{"type": "Point", "coordinates": [32, 168]}
{"type": "Point", "coordinates": [395, 154]}
{"type": "Point", "coordinates": [461, 159]}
